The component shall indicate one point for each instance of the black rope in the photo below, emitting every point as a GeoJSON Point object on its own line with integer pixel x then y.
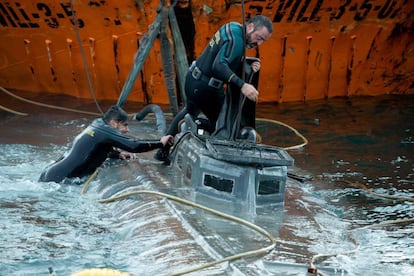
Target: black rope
{"type": "Point", "coordinates": [242, 97]}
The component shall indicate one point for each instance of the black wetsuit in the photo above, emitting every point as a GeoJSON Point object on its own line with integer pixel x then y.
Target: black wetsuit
{"type": "Point", "coordinates": [222, 59]}
{"type": "Point", "coordinates": [90, 149]}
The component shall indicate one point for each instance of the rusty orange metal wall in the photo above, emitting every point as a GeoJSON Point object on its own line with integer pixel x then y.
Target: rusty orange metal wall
{"type": "Point", "coordinates": [336, 48]}
{"type": "Point", "coordinates": [319, 48]}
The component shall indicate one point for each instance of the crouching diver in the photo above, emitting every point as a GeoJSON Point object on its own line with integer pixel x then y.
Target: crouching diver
{"type": "Point", "coordinates": [98, 142]}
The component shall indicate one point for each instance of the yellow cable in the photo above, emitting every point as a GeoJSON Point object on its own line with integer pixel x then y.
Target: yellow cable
{"type": "Point", "coordinates": [305, 141]}
{"type": "Point", "coordinates": [218, 213]}
{"type": "Point", "coordinates": [387, 223]}
{"type": "Point", "coordinates": [253, 226]}
{"type": "Point", "coordinates": [177, 199]}
{"type": "Point", "coordinates": [47, 105]}
{"type": "Point", "coordinates": [52, 106]}
{"type": "Point", "coordinates": [12, 111]}
{"type": "Point", "coordinates": [357, 245]}
{"type": "Point", "coordinates": [88, 181]}
{"type": "Point", "coordinates": [381, 224]}
{"type": "Point", "coordinates": [365, 188]}
{"type": "Point", "coordinates": [318, 256]}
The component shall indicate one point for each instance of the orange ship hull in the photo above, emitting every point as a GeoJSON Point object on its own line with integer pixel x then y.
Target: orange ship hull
{"type": "Point", "coordinates": [319, 48]}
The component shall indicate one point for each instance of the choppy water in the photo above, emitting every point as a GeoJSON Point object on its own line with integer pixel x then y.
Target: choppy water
{"type": "Point", "coordinates": [370, 140]}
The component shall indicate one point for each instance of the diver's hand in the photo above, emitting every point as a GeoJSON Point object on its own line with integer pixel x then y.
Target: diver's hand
{"type": "Point", "coordinates": [255, 66]}
{"type": "Point", "coordinates": [167, 140]}
{"type": "Point", "coordinates": [127, 155]}
{"type": "Point", "coordinates": [250, 92]}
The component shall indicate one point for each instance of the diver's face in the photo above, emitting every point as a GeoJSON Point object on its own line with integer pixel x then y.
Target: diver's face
{"type": "Point", "coordinates": [255, 37]}
{"type": "Point", "coordinates": [122, 127]}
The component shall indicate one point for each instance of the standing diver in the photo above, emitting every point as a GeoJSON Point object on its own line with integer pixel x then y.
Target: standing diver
{"type": "Point", "coordinates": [220, 65]}
{"type": "Point", "coordinates": [96, 143]}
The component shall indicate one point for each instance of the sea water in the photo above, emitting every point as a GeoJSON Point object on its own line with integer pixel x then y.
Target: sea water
{"type": "Point", "coordinates": [50, 226]}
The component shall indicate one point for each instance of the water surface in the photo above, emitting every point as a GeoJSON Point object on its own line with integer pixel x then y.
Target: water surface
{"type": "Point", "coordinates": [369, 140]}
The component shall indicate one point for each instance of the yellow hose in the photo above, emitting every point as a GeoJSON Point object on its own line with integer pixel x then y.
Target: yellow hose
{"type": "Point", "coordinates": [365, 188]}
{"type": "Point", "coordinates": [381, 224]}
{"type": "Point", "coordinates": [50, 106]}
{"type": "Point", "coordinates": [88, 181]}
{"type": "Point", "coordinates": [251, 253]}
{"type": "Point", "coordinates": [12, 111]}
{"type": "Point", "coordinates": [264, 250]}
{"type": "Point", "coordinates": [47, 105]}
{"type": "Point", "coordinates": [305, 141]}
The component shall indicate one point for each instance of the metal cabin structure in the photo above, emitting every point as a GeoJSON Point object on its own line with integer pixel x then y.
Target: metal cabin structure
{"type": "Point", "coordinates": [242, 172]}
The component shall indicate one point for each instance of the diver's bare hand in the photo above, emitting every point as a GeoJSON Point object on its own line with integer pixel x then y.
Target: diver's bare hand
{"type": "Point", "coordinates": [250, 92]}
{"type": "Point", "coordinates": [167, 140]}
{"type": "Point", "coordinates": [255, 66]}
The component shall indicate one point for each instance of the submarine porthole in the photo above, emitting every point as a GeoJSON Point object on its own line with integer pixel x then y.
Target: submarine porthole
{"type": "Point", "coordinates": [180, 161]}
{"type": "Point", "coordinates": [267, 187]}
{"type": "Point", "coordinates": [188, 171]}
{"type": "Point", "coordinates": [218, 183]}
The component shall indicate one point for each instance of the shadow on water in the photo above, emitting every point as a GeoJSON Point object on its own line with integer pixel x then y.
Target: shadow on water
{"type": "Point", "coordinates": [369, 140]}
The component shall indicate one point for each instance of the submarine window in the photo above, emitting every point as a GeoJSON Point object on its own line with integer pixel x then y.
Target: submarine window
{"type": "Point", "coordinates": [180, 161]}
{"type": "Point", "coordinates": [218, 183]}
{"type": "Point", "coordinates": [188, 172]}
{"type": "Point", "coordinates": [267, 187]}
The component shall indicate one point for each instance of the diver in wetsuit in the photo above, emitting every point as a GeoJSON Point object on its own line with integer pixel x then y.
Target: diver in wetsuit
{"type": "Point", "coordinates": [98, 142]}
{"type": "Point", "coordinates": [220, 63]}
